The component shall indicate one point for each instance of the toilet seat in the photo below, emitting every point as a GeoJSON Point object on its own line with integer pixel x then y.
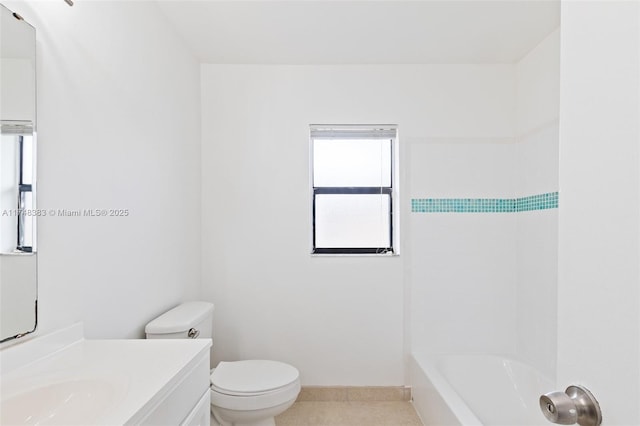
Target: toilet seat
{"type": "Point", "coordinates": [253, 384]}
{"type": "Point", "coordinates": [252, 377]}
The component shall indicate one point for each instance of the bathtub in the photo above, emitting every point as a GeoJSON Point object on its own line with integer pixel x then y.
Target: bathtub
{"type": "Point", "coordinates": [474, 390]}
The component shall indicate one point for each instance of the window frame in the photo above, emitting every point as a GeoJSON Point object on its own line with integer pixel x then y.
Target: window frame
{"type": "Point", "coordinates": [351, 132]}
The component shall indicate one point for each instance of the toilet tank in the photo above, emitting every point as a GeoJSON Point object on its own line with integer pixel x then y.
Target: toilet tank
{"type": "Point", "coordinates": [189, 320]}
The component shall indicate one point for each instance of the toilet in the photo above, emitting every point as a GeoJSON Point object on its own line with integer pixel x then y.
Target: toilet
{"type": "Point", "coordinates": [243, 393]}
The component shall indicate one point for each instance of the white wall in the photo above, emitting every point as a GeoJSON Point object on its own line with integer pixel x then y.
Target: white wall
{"type": "Point", "coordinates": [536, 164]}
{"type": "Point", "coordinates": [338, 319]}
{"type": "Point", "coordinates": [599, 217]}
{"type": "Point", "coordinates": [538, 86]}
{"type": "Point", "coordinates": [118, 123]}
{"type": "Point", "coordinates": [463, 264]}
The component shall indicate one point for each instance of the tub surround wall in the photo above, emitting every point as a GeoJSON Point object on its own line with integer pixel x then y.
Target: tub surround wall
{"type": "Point", "coordinates": [118, 121]}
{"type": "Point", "coordinates": [484, 234]}
{"type": "Point", "coordinates": [536, 157]}
{"type": "Point", "coordinates": [345, 314]}
{"type": "Point", "coordinates": [463, 264]}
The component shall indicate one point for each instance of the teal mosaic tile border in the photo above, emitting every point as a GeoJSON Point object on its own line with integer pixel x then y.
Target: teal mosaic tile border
{"type": "Point", "coordinates": [485, 205]}
{"type": "Point", "coordinates": [537, 202]}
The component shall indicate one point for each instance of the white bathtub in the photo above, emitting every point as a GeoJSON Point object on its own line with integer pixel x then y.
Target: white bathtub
{"type": "Point", "coordinates": [477, 390]}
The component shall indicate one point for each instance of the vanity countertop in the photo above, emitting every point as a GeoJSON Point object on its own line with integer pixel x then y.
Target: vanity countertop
{"type": "Point", "coordinates": [94, 382]}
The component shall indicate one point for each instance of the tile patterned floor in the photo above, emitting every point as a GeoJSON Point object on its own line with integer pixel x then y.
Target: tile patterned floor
{"type": "Point", "coordinates": [349, 413]}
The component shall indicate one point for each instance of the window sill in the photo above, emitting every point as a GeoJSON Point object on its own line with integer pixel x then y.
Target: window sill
{"type": "Point", "coordinates": [354, 254]}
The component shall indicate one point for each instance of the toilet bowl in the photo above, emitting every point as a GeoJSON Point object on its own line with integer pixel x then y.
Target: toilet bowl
{"type": "Point", "coordinates": [243, 393]}
{"type": "Point", "coordinates": [252, 392]}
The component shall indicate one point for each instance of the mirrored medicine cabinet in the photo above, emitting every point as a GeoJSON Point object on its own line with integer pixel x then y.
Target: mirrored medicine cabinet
{"type": "Point", "coordinates": [18, 220]}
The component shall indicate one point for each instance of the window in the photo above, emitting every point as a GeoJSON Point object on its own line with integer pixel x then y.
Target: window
{"type": "Point", "coordinates": [17, 188]}
{"type": "Point", "coordinates": [353, 189]}
{"type": "Point", "coordinates": [25, 193]}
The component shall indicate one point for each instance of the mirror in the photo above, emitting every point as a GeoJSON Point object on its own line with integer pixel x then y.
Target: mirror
{"type": "Point", "coordinates": [18, 214]}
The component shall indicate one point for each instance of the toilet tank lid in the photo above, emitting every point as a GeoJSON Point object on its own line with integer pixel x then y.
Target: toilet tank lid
{"type": "Point", "coordinates": [181, 318]}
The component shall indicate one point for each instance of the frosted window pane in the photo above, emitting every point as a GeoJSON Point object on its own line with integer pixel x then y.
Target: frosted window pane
{"type": "Point", "coordinates": [27, 221]}
{"type": "Point", "coordinates": [27, 160]}
{"type": "Point", "coordinates": [348, 162]}
{"type": "Point", "coordinates": [347, 220]}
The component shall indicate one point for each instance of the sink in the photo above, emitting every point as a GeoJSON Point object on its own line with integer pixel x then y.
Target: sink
{"type": "Point", "coordinates": [70, 402]}
{"type": "Point", "coordinates": [62, 378]}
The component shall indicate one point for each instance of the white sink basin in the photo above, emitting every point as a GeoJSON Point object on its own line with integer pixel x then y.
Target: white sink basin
{"type": "Point", "coordinates": [71, 402]}
{"type": "Point", "coordinates": [63, 379]}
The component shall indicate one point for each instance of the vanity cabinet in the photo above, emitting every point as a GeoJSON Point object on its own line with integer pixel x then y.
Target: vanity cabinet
{"type": "Point", "coordinates": [201, 413]}
{"type": "Point", "coordinates": [184, 403]}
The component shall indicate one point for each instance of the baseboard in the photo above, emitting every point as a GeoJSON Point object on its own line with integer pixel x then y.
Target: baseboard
{"type": "Point", "coordinates": [355, 393]}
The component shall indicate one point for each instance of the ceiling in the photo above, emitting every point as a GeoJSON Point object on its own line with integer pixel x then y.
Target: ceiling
{"type": "Point", "coordinates": [361, 32]}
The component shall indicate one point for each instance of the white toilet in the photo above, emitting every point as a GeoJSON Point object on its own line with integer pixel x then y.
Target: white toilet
{"type": "Point", "coordinates": [243, 393]}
